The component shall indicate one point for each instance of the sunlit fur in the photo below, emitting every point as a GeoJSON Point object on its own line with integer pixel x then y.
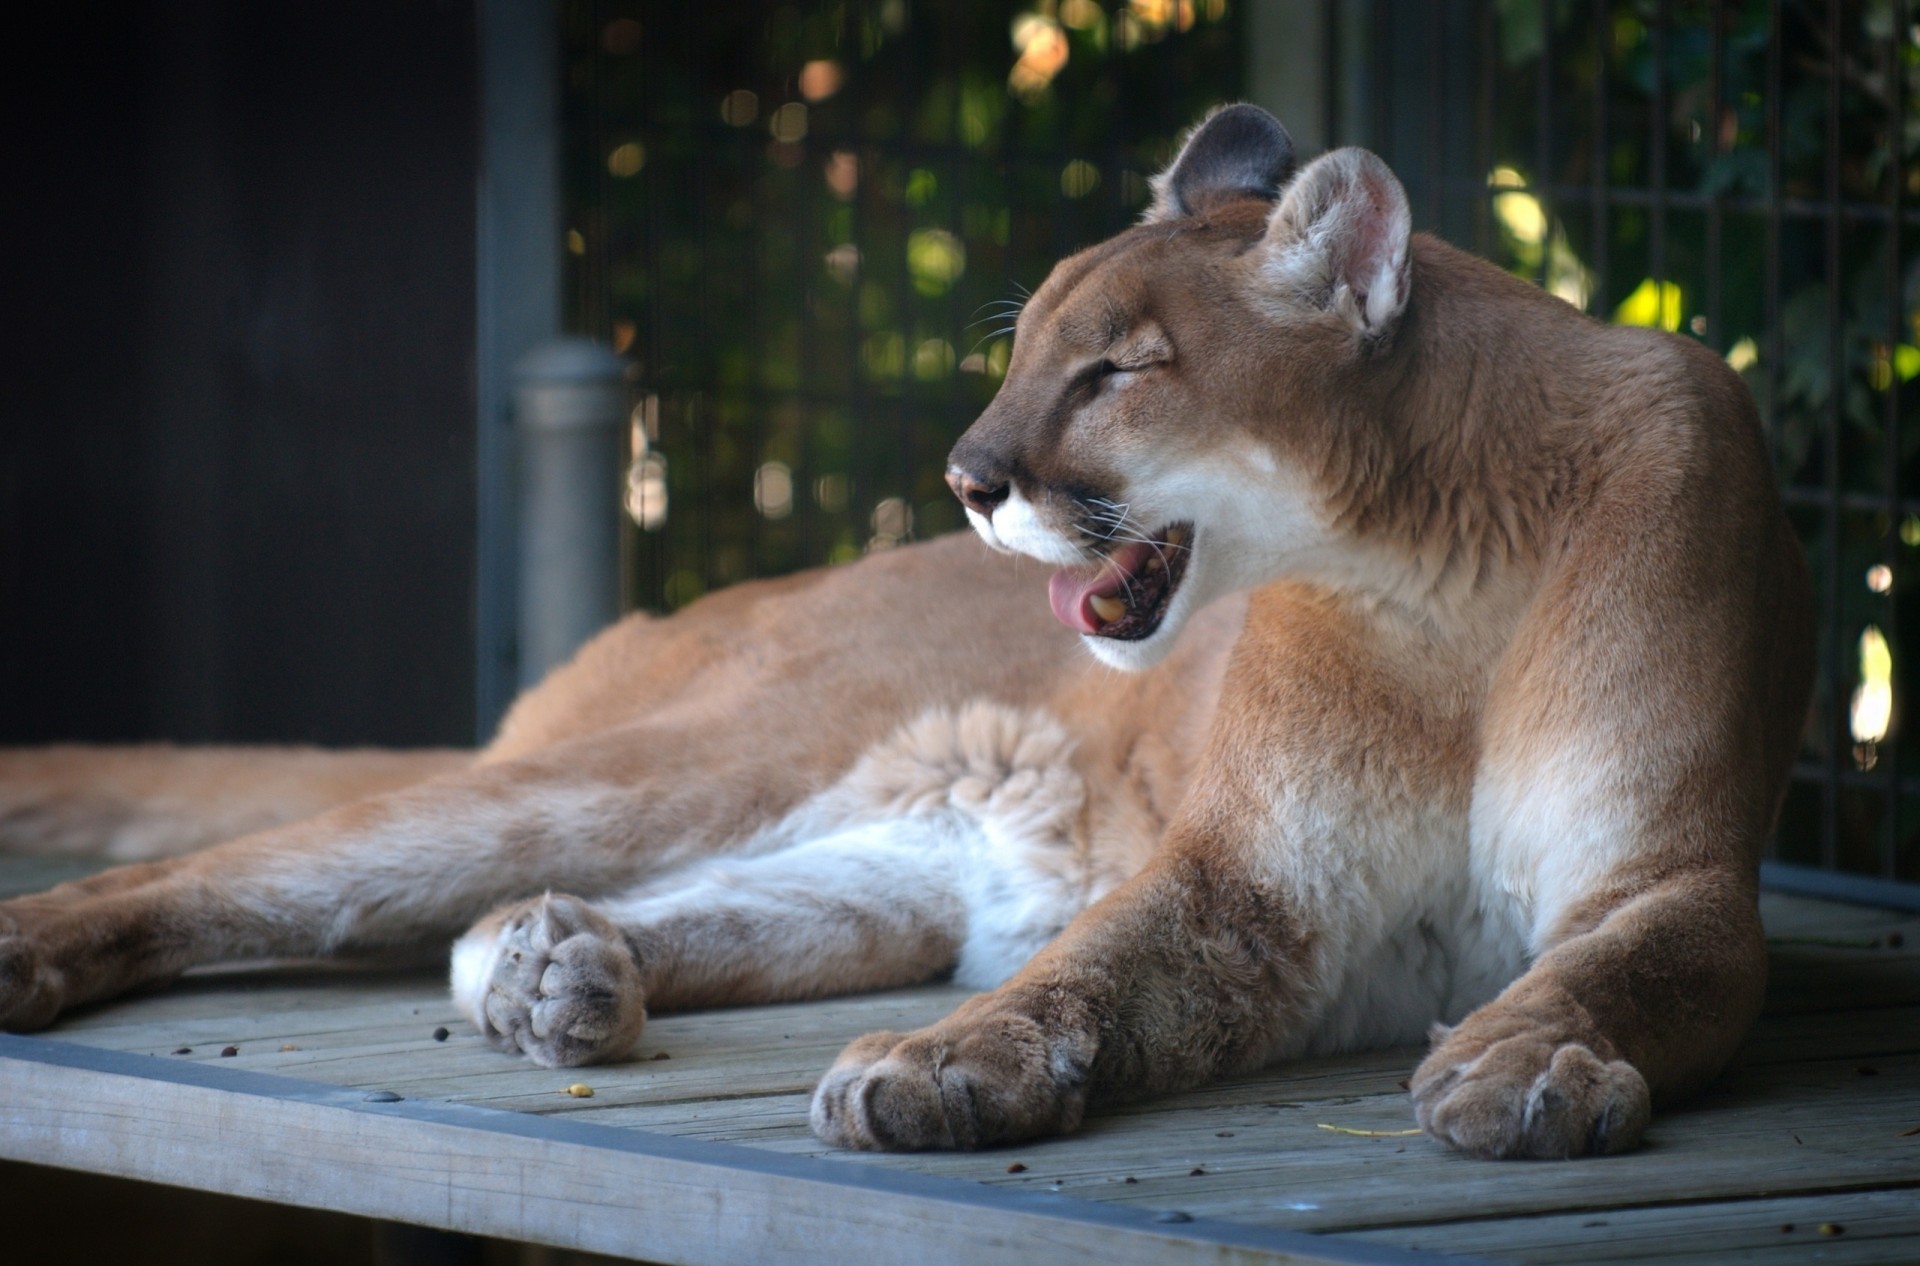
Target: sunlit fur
{"type": "Point", "coordinates": [1473, 711]}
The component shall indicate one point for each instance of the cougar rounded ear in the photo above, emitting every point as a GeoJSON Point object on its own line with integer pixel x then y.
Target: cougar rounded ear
{"type": "Point", "coordinates": [1238, 151]}
{"type": "Point", "coordinates": [1342, 232]}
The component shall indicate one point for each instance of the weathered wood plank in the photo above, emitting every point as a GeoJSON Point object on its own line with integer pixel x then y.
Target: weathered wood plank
{"type": "Point", "coordinates": [1779, 1129]}
{"type": "Point", "coordinates": [466, 1070]}
{"type": "Point", "coordinates": [1794, 1124]}
{"type": "Point", "coordinates": [521, 1177]}
{"type": "Point", "coordinates": [1811, 981]}
{"type": "Point", "coordinates": [387, 1040]}
{"type": "Point", "coordinates": [1862, 1227]}
{"type": "Point", "coordinates": [376, 1033]}
{"type": "Point", "coordinates": [1328, 1087]}
{"type": "Point", "coordinates": [1782, 1039]}
{"type": "Point", "coordinates": [770, 1050]}
{"type": "Point", "coordinates": [1798, 1128]}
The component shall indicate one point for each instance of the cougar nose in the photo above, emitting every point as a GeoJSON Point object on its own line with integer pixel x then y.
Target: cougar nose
{"type": "Point", "coordinates": [982, 498]}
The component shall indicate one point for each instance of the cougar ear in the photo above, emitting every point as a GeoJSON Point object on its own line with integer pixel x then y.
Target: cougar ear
{"type": "Point", "coordinates": [1340, 236]}
{"type": "Point", "coordinates": [1238, 151]}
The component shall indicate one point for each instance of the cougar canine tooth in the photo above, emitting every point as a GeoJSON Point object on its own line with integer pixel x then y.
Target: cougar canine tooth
{"type": "Point", "coordinates": [1108, 609]}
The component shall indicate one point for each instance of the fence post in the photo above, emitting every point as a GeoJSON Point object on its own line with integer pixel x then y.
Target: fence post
{"type": "Point", "coordinates": [570, 414]}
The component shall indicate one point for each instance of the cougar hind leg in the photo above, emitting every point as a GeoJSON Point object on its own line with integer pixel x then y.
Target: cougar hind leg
{"type": "Point", "coordinates": [138, 803]}
{"type": "Point", "coordinates": [887, 904]}
{"type": "Point", "coordinates": [410, 868]}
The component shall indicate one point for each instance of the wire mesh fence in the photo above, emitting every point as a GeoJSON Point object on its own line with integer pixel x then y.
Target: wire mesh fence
{"type": "Point", "coordinates": [803, 223]}
{"type": "Point", "coordinates": [806, 227]}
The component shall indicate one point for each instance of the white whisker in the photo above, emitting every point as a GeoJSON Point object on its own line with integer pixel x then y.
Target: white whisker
{"type": "Point", "coordinates": [1112, 522]}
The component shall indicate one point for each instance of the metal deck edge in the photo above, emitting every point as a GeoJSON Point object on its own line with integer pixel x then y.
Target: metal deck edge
{"type": "Point", "coordinates": [808, 1182]}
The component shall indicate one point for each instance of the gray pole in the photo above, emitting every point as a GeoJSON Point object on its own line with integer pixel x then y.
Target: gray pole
{"type": "Point", "coordinates": [517, 300]}
{"type": "Point", "coordinates": [571, 413]}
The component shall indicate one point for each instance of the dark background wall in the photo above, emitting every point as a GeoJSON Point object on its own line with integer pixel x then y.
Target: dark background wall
{"type": "Point", "coordinates": [236, 372]}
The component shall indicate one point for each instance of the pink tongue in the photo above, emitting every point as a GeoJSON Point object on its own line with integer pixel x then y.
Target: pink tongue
{"type": "Point", "coordinates": [1072, 589]}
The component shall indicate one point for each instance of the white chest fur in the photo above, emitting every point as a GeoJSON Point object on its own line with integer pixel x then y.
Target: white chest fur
{"type": "Point", "coordinates": [1435, 963]}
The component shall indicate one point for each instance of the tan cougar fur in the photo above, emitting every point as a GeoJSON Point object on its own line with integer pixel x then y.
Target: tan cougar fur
{"type": "Point", "coordinates": [1468, 651]}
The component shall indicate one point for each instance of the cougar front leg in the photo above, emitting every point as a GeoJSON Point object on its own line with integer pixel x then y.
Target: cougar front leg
{"type": "Point", "coordinates": [410, 868]}
{"type": "Point", "coordinates": [1226, 948]}
{"type": "Point", "coordinates": [1189, 970]}
{"type": "Point", "coordinates": [1643, 1002]}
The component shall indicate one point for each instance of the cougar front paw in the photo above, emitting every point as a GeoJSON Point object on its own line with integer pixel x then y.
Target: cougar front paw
{"type": "Point", "coordinates": [553, 979]}
{"type": "Point", "coordinates": [1527, 1095]}
{"type": "Point", "coordinates": [994, 1080]}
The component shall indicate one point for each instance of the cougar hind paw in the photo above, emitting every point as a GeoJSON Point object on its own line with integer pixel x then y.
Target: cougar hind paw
{"type": "Point", "coordinates": [554, 980]}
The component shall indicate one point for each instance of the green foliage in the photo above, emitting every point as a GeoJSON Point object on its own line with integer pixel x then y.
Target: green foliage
{"type": "Point", "coordinates": [815, 265]}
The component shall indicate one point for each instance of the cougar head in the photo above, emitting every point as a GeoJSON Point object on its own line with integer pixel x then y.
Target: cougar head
{"type": "Point", "coordinates": [1172, 409]}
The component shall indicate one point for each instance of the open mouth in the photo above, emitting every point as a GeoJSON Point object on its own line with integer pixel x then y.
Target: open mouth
{"type": "Point", "coordinates": [1126, 594]}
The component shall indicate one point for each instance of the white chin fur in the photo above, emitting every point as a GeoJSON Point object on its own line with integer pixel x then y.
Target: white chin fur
{"type": "Point", "coordinates": [1133, 657]}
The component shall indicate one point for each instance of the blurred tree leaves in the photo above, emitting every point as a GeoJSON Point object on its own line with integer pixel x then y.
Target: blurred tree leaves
{"type": "Point", "coordinates": [811, 265]}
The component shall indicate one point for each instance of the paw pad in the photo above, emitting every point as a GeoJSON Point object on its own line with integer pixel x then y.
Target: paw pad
{"type": "Point", "coordinates": [564, 989]}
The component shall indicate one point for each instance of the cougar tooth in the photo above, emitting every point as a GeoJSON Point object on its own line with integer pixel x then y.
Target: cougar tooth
{"type": "Point", "coordinates": [1108, 609]}
{"type": "Point", "coordinates": [1154, 563]}
{"type": "Point", "coordinates": [1177, 536]}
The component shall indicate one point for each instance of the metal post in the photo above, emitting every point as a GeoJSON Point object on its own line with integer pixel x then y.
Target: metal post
{"type": "Point", "coordinates": [517, 301]}
{"type": "Point", "coordinates": [570, 412]}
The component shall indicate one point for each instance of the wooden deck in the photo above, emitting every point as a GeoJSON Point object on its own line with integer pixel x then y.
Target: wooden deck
{"type": "Point", "coordinates": [281, 1084]}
